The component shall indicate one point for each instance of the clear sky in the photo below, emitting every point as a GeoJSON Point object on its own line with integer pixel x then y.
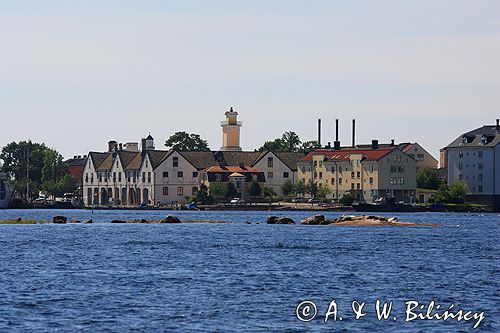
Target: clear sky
{"type": "Point", "coordinates": [75, 74]}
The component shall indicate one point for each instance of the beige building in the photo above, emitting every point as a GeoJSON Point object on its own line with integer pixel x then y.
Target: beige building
{"type": "Point", "coordinates": [366, 173]}
{"type": "Point", "coordinates": [419, 154]}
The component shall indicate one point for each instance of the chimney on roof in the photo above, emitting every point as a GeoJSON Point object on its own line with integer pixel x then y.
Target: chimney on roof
{"type": "Point", "coordinates": [319, 131]}
{"type": "Point", "coordinates": [329, 145]}
{"type": "Point", "coordinates": [75, 157]}
{"type": "Point", "coordinates": [374, 144]}
{"type": "Point", "coordinates": [392, 142]}
{"type": "Point", "coordinates": [143, 144]}
{"type": "Point", "coordinates": [112, 146]}
{"type": "Point", "coordinates": [336, 143]}
{"type": "Point", "coordinates": [79, 156]}
{"type": "Point", "coordinates": [353, 133]}
{"type": "Point", "coordinates": [84, 156]}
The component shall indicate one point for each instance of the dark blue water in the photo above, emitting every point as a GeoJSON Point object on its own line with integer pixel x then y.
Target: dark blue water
{"type": "Point", "coordinates": [239, 277]}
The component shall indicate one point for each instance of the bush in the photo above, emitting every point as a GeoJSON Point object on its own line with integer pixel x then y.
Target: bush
{"type": "Point", "coordinates": [347, 199]}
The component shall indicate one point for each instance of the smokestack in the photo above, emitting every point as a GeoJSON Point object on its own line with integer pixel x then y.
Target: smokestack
{"type": "Point", "coordinates": [353, 133]}
{"type": "Point", "coordinates": [336, 129]}
{"type": "Point", "coordinates": [319, 132]}
{"type": "Point", "coordinates": [374, 144]}
{"type": "Point", "coordinates": [498, 124]}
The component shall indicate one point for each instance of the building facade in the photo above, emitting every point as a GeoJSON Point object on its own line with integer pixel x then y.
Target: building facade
{"type": "Point", "coordinates": [366, 174]}
{"type": "Point", "coordinates": [474, 158]}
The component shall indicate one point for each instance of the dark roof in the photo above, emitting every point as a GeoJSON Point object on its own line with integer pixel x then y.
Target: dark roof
{"type": "Point", "coordinates": [98, 158]}
{"type": "Point", "coordinates": [199, 159]}
{"type": "Point", "coordinates": [77, 161]}
{"type": "Point", "coordinates": [156, 157]}
{"type": "Point", "coordinates": [135, 164]}
{"type": "Point", "coordinates": [290, 159]}
{"type": "Point", "coordinates": [149, 137]}
{"type": "Point", "coordinates": [241, 157]}
{"type": "Point", "coordinates": [126, 157]}
{"type": "Point", "coordinates": [475, 137]}
{"type": "Point", "coordinates": [107, 163]}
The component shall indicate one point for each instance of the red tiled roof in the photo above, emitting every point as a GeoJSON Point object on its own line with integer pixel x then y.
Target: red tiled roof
{"type": "Point", "coordinates": [343, 154]}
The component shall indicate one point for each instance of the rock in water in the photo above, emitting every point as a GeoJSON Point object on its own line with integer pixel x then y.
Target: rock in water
{"type": "Point", "coordinates": [393, 219]}
{"type": "Point", "coordinates": [59, 219]}
{"type": "Point", "coordinates": [118, 221]}
{"type": "Point", "coordinates": [88, 221]}
{"type": "Point", "coordinates": [272, 219]}
{"type": "Point", "coordinates": [285, 220]}
{"type": "Point", "coordinates": [314, 220]}
{"type": "Point", "coordinates": [171, 219]}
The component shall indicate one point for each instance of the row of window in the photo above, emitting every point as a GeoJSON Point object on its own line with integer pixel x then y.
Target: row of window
{"type": "Point", "coordinates": [180, 190]}
{"type": "Point", "coordinates": [479, 154]}
{"type": "Point", "coordinates": [479, 177]}
{"type": "Point", "coordinates": [461, 165]}
{"type": "Point", "coordinates": [397, 168]}
{"type": "Point", "coordinates": [397, 181]}
{"type": "Point", "coordinates": [270, 174]}
{"type": "Point", "coordinates": [180, 174]}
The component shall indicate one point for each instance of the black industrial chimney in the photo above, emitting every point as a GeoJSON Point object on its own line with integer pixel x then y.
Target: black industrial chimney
{"type": "Point", "coordinates": [319, 132]}
{"type": "Point", "coordinates": [336, 143]}
{"type": "Point", "coordinates": [498, 125]}
{"type": "Point", "coordinates": [353, 133]}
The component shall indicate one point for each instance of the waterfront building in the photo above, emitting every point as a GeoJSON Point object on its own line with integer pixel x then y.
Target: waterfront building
{"type": "Point", "coordinates": [474, 158]}
{"type": "Point", "coordinates": [240, 176]}
{"type": "Point", "coordinates": [423, 158]}
{"type": "Point", "coordinates": [366, 172]}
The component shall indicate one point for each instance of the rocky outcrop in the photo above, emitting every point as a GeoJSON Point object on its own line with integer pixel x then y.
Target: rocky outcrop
{"type": "Point", "coordinates": [279, 220]}
{"type": "Point", "coordinates": [171, 219]}
{"type": "Point", "coordinates": [59, 219]}
{"type": "Point", "coordinates": [118, 221]}
{"type": "Point", "coordinates": [314, 220]}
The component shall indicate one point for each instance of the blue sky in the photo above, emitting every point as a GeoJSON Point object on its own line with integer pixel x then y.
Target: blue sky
{"type": "Point", "coordinates": [75, 74]}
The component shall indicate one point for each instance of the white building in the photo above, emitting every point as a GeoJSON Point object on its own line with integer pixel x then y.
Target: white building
{"type": "Point", "coordinates": [474, 157]}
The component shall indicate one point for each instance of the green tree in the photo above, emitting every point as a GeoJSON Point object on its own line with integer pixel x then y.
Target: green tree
{"type": "Point", "coordinates": [347, 199]}
{"type": "Point", "coordinates": [269, 192]}
{"type": "Point", "coordinates": [183, 141]}
{"type": "Point", "coordinates": [218, 190]}
{"type": "Point", "coordinates": [428, 179]}
{"type": "Point", "coordinates": [309, 146]}
{"type": "Point", "coordinates": [454, 193]}
{"type": "Point", "coordinates": [255, 190]}
{"type": "Point", "coordinates": [300, 187]}
{"type": "Point", "coordinates": [312, 188]}
{"type": "Point", "coordinates": [287, 188]}
{"type": "Point", "coordinates": [276, 145]}
{"type": "Point", "coordinates": [323, 191]}
{"type": "Point", "coordinates": [34, 164]}
{"type": "Point", "coordinates": [291, 141]}
{"type": "Point", "coordinates": [230, 190]}
{"type": "Point", "coordinates": [202, 196]}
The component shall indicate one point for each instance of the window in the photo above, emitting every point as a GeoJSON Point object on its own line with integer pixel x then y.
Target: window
{"type": "Point", "coordinates": [401, 168]}
{"type": "Point", "coordinates": [352, 174]}
{"type": "Point", "coordinates": [195, 174]}
{"type": "Point", "coordinates": [149, 177]}
{"type": "Point", "coordinates": [315, 174]}
{"type": "Point", "coordinates": [340, 169]}
{"type": "Point", "coordinates": [165, 174]}
{"type": "Point", "coordinates": [143, 177]}
{"type": "Point", "coordinates": [401, 180]}
{"type": "Point", "coordinates": [480, 188]}
{"type": "Point", "coordinates": [333, 181]}
{"type": "Point", "coordinates": [358, 186]}
{"type": "Point", "coordinates": [371, 168]}
{"type": "Point", "coordinates": [460, 177]}
{"type": "Point", "coordinates": [371, 180]}
{"type": "Point", "coordinates": [119, 176]}
{"type": "Point", "coordinates": [352, 186]}
{"type": "Point", "coordinates": [286, 175]}
{"type": "Point", "coordinates": [358, 174]}
{"type": "Point", "coordinates": [480, 153]}
{"type": "Point", "coordinates": [460, 154]}
{"type": "Point", "coordinates": [480, 177]}
{"type": "Point", "coordinates": [86, 177]}
{"type": "Point", "coordinates": [320, 163]}
{"type": "Point", "coordinates": [333, 169]}
{"type": "Point", "coordinates": [175, 161]}
{"type": "Point", "coordinates": [420, 157]}
{"type": "Point", "coordinates": [194, 190]}
{"type": "Point", "coordinates": [92, 177]}
{"type": "Point", "coordinates": [180, 190]}
{"type": "Point", "coordinates": [100, 177]}
{"type": "Point", "coordinates": [270, 162]}
{"type": "Point", "coordinates": [340, 181]}
{"type": "Point", "coordinates": [460, 166]}
{"type": "Point", "coordinates": [270, 174]}
{"type": "Point", "coordinates": [165, 190]}
{"type": "Point", "coordinates": [146, 163]}
{"type": "Point", "coordinates": [180, 174]}
{"type": "Point", "coordinates": [320, 175]}
{"type": "Point", "coordinates": [315, 163]}
{"type": "Point", "coordinates": [394, 168]}
{"type": "Point", "coordinates": [357, 162]}
{"type": "Point", "coordinates": [218, 177]}
{"type": "Point", "coordinates": [303, 169]}
{"type": "Point", "coordinates": [480, 166]}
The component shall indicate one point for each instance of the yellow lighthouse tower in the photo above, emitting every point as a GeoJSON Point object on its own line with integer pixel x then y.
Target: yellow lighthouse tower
{"type": "Point", "coordinates": [231, 132]}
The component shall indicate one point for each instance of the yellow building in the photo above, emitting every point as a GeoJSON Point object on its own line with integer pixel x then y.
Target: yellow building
{"type": "Point", "coordinates": [366, 173]}
{"type": "Point", "coordinates": [231, 132]}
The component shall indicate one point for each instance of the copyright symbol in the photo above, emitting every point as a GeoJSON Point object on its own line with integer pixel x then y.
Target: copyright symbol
{"type": "Point", "coordinates": [306, 311]}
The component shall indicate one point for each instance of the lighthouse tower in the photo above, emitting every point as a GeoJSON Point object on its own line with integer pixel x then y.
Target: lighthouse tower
{"type": "Point", "coordinates": [231, 132]}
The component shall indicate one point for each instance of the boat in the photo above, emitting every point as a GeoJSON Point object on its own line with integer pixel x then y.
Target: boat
{"type": "Point", "coordinates": [5, 191]}
{"type": "Point", "coordinates": [387, 205]}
